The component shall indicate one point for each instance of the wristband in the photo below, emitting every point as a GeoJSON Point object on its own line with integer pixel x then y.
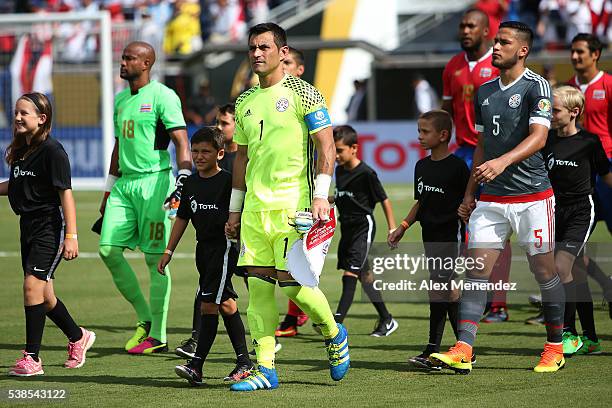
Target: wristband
{"type": "Point", "coordinates": [322, 183]}
{"type": "Point", "coordinates": [110, 182]}
{"type": "Point", "coordinates": [169, 252]}
{"type": "Point", "coordinates": [236, 200]}
{"type": "Point", "coordinates": [71, 236]}
{"type": "Point", "coordinates": [405, 224]}
{"type": "Point", "coordinates": [182, 175]}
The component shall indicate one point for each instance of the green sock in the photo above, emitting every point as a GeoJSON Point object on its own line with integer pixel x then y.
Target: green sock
{"type": "Point", "coordinates": [314, 303]}
{"type": "Point", "coordinates": [159, 297]}
{"type": "Point", "coordinates": [125, 280]}
{"type": "Point", "coordinates": [262, 314]}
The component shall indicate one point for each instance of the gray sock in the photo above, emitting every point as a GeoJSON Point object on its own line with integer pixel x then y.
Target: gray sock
{"type": "Point", "coordinates": [553, 305]}
{"type": "Point", "coordinates": [473, 303]}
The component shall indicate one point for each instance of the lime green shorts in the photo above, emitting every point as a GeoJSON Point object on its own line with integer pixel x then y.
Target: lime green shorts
{"type": "Point", "coordinates": [134, 216]}
{"type": "Point", "coordinates": [265, 238]}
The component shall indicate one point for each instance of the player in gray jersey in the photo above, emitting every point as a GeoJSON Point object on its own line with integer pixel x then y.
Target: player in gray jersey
{"type": "Point", "coordinates": [504, 114]}
{"type": "Point", "coordinates": [513, 115]}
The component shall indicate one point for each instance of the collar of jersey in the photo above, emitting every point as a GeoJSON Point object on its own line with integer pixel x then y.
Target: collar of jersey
{"type": "Point", "coordinates": [478, 61]}
{"type": "Point", "coordinates": [273, 86]}
{"type": "Point", "coordinates": [503, 88]}
{"type": "Point", "coordinates": [139, 89]}
{"type": "Point", "coordinates": [592, 81]}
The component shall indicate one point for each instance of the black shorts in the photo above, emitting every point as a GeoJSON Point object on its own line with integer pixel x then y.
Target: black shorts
{"type": "Point", "coordinates": [216, 263]}
{"type": "Point", "coordinates": [357, 235]}
{"type": "Point", "coordinates": [42, 244]}
{"type": "Point", "coordinates": [573, 225]}
{"type": "Point", "coordinates": [442, 244]}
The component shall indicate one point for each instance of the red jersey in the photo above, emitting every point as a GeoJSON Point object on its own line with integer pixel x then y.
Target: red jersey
{"type": "Point", "coordinates": [597, 117]}
{"type": "Point", "coordinates": [460, 83]}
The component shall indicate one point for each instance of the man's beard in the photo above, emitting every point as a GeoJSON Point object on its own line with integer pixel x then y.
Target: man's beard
{"type": "Point", "coordinates": [505, 64]}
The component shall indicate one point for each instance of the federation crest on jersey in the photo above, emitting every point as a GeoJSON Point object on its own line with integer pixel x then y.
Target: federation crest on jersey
{"type": "Point", "coordinates": [544, 105]}
{"type": "Point", "coordinates": [514, 101]}
{"type": "Point", "coordinates": [420, 186]}
{"type": "Point", "coordinates": [282, 104]}
{"type": "Point", "coordinates": [599, 94]}
{"type": "Point", "coordinates": [485, 72]}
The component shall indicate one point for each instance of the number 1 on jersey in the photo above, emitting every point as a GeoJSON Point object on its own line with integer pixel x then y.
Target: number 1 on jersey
{"type": "Point", "coordinates": [260, 129]}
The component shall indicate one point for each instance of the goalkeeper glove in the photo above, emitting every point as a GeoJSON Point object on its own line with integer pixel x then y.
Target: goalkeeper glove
{"type": "Point", "coordinates": [171, 204]}
{"type": "Point", "coordinates": [302, 221]}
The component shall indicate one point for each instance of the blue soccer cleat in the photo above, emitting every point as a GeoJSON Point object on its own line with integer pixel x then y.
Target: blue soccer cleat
{"type": "Point", "coordinates": [338, 354]}
{"type": "Point", "coordinates": [261, 378]}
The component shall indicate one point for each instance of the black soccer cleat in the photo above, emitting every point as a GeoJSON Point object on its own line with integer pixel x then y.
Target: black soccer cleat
{"type": "Point", "coordinates": [187, 348]}
{"type": "Point", "coordinates": [385, 327]}
{"type": "Point", "coordinates": [240, 372]}
{"type": "Point", "coordinates": [190, 373]}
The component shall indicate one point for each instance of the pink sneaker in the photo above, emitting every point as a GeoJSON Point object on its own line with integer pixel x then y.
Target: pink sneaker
{"type": "Point", "coordinates": [302, 319]}
{"type": "Point", "coordinates": [149, 346]}
{"type": "Point", "coordinates": [78, 349]}
{"type": "Point", "coordinates": [26, 366]}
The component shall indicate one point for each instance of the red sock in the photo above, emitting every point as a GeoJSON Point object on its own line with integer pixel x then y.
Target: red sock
{"type": "Point", "coordinates": [293, 309]}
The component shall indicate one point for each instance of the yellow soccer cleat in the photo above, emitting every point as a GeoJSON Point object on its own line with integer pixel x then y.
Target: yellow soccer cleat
{"type": "Point", "coordinates": [552, 359]}
{"type": "Point", "coordinates": [458, 358]}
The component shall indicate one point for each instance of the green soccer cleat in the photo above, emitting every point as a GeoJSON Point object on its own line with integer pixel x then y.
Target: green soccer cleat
{"type": "Point", "coordinates": [571, 344]}
{"type": "Point", "coordinates": [589, 346]}
{"type": "Point", "coordinates": [141, 334]}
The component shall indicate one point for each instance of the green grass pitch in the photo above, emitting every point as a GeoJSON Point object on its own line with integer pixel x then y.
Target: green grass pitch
{"type": "Point", "coordinates": [380, 375]}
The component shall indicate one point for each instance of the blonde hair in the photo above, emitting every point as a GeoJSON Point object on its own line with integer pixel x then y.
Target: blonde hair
{"type": "Point", "coordinates": [570, 98]}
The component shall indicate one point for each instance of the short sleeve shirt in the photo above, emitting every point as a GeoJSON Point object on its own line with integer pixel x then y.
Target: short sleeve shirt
{"type": "Point", "coordinates": [503, 116]}
{"type": "Point", "coordinates": [461, 79]}
{"type": "Point", "coordinates": [275, 123]}
{"type": "Point", "coordinates": [35, 180]}
{"type": "Point", "coordinates": [143, 122]}
{"type": "Point", "coordinates": [357, 190]}
{"type": "Point", "coordinates": [205, 201]}
{"type": "Point", "coordinates": [439, 187]}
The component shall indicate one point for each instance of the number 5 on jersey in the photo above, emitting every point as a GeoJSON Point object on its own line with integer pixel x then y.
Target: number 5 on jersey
{"type": "Point", "coordinates": [496, 125]}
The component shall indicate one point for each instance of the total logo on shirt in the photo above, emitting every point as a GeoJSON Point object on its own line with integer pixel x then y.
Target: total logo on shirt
{"type": "Point", "coordinates": [344, 193]}
{"type": "Point", "coordinates": [568, 163]}
{"type": "Point", "coordinates": [195, 206]}
{"type": "Point", "coordinates": [18, 172]}
{"type": "Point", "coordinates": [424, 187]}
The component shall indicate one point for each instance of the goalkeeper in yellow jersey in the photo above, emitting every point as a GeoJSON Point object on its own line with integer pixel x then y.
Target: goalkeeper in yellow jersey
{"type": "Point", "coordinates": [279, 123]}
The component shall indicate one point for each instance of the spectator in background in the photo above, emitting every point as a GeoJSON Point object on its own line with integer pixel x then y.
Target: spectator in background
{"type": "Point", "coordinates": [227, 21]}
{"type": "Point", "coordinates": [160, 12]}
{"type": "Point", "coordinates": [256, 11]}
{"type": "Point", "coordinates": [496, 11]}
{"type": "Point", "coordinates": [202, 108]}
{"type": "Point", "coordinates": [425, 96]}
{"type": "Point", "coordinates": [357, 108]}
{"type": "Point", "coordinates": [183, 30]}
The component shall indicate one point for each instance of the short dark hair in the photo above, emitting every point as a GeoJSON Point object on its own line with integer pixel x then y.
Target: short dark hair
{"type": "Point", "coordinates": [521, 28]}
{"type": "Point", "coordinates": [228, 108]}
{"type": "Point", "coordinates": [280, 36]}
{"type": "Point", "coordinates": [592, 42]}
{"type": "Point", "coordinates": [482, 14]}
{"type": "Point", "coordinates": [440, 119]}
{"type": "Point", "coordinates": [297, 54]}
{"type": "Point", "coordinates": [209, 134]}
{"type": "Point", "coordinates": [346, 134]}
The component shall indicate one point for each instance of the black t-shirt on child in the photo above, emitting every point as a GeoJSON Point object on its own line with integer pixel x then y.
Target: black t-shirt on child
{"type": "Point", "coordinates": [205, 201]}
{"type": "Point", "coordinates": [357, 190]}
{"type": "Point", "coordinates": [439, 186]}
{"type": "Point", "coordinates": [35, 180]}
{"type": "Point", "coordinates": [571, 162]}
